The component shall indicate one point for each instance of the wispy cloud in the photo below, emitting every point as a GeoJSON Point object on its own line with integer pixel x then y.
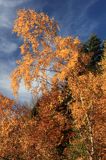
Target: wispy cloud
{"type": "Point", "coordinates": [11, 3]}
{"type": "Point", "coordinates": [6, 46]}
{"type": "Point", "coordinates": [7, 11]}
{"type": "Point", "coordinates": [83, 11]}
{"type": "Point", "coordinates": [5, 82]}
{"type": "Point", "coordinates": [5, 87]}
{"type": "Point", "coordinates": [74, 20]}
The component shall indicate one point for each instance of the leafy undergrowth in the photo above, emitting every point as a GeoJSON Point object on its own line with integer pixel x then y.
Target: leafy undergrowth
{"type": "Point", "coordinates": [45, 133]}
{"type": "Point", "coordinates": [48, 132]}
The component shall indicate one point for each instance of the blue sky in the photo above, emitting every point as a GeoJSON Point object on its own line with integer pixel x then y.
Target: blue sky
{"type": "Point", "coordinates": [75, 17]}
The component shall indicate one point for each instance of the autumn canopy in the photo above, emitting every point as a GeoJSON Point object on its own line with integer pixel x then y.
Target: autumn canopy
{"type": "Point", "coordinates": [67, 120]}
{"type": "Point", "coordinates": [43, 51]}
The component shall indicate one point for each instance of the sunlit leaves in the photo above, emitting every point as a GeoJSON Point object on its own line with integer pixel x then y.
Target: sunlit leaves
{"type": "Point", "coordinates": [43, 51]}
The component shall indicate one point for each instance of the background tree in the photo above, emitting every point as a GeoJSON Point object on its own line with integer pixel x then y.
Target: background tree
{"type": "Point", "coordinates": [93, 52]}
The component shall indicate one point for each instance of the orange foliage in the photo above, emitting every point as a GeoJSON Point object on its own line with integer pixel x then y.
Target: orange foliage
{"type": "Point", "coordinates": [41, 49]}
{"type": "Point", "coordinates": [43, 52]}
{"type": "Point", "coordinates": [23, 137]}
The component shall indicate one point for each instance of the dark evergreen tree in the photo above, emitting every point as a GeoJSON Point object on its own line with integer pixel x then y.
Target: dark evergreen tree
{"type": "Point", "coordinates": [94, 48]}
